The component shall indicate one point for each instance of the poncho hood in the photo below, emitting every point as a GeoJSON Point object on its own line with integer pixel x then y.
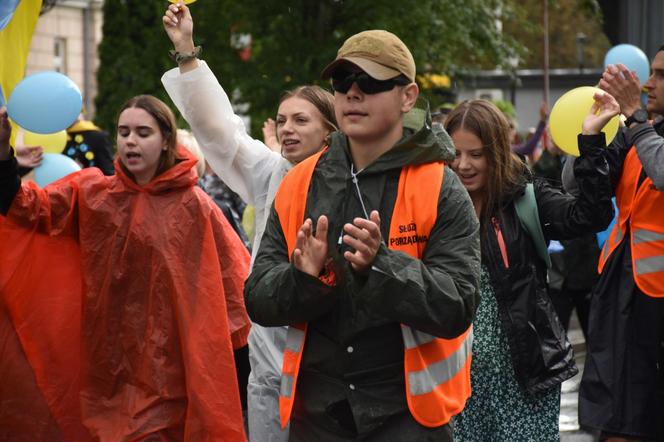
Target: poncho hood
{"type": "Point", "coordinates": [120, 306]}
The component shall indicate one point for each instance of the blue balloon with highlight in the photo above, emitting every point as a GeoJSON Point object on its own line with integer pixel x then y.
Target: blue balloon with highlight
{"type": "Point", "coordinates": [632, 57]}
{"type": "Point", "coordinates": [45, 103]}
{"type": "Point", "coordinates": [53, 167]}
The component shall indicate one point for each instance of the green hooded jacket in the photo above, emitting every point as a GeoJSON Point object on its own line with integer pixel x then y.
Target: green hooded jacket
{"type": "Point", "coordinates": [354, 334]}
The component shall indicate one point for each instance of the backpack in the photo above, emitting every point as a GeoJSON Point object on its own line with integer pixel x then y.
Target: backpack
{"type": "Point", "coordinates": [526, 210]}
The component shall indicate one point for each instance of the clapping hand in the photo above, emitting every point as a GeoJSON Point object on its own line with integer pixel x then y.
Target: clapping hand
{"type": "Point", "coordinates": [364, 236]}
{"type": "Point", "coordinates": [624, 86]}
{"type": "Point", "coordinates": [310, 251]}
{"type": "Point", "coordinates": [603, 109]}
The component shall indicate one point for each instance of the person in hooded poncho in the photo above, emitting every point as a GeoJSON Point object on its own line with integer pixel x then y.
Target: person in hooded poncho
{"type": "Point", "coordinates": [120, 297]}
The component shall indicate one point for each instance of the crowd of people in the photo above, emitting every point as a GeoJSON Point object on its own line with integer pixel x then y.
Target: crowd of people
{"type": "Point", "coordinates": [397, 285]}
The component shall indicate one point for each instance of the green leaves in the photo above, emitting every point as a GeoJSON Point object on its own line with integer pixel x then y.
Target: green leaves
{"type": "Point", "coordinates": [293, 40]}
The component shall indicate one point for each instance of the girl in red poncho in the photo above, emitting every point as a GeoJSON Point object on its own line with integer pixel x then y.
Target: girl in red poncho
{"type": "Point", "coordinates": [120, 297]}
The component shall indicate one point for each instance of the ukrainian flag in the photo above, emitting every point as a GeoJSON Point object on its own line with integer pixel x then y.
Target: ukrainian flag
{"type": "Point", "coordinates": [18, 19]}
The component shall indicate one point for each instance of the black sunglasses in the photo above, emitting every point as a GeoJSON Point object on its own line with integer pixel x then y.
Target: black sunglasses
{"type": "Point", "coordinates": [343, 80]}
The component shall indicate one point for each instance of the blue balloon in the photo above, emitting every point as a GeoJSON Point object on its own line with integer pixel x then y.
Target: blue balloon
{"type": "Point", "coordinates": [53, 167]}
{"type": "Point", "coordinates": [2, 97]}
{"type": "Point", "coordinates": [604, 235]}
{"type": "Point", "coordinates": [45, 102]}
{"type": "Point", "coordinates": [630, 56]}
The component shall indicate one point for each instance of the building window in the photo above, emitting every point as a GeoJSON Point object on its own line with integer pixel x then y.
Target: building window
{"type": "Point", "coordinates": [60, 55]}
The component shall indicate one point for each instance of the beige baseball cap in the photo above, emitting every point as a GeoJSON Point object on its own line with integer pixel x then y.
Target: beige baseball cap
{"type": "Point", "coordinates": [380, 54]}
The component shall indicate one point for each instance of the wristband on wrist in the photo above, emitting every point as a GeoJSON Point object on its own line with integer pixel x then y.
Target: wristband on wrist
{"type": "Point", "coordinates": [180, 57]}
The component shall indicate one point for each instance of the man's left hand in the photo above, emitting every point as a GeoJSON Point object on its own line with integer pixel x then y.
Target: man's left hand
{"type": "Point", "coordinates": [624, 85]}
{"type": "Point", "coordinates": [363, 236]}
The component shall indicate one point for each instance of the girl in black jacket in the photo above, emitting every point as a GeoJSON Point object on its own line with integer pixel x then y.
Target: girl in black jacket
{"type": "Point", "coordinates": [521, 354]}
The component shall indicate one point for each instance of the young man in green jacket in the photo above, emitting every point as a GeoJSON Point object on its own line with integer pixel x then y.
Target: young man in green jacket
{"type": "Point", "coordinates": [368, 290]}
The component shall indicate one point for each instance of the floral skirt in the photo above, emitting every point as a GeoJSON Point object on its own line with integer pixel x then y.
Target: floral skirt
{"type": "Point", "coordinates": [498, 409]}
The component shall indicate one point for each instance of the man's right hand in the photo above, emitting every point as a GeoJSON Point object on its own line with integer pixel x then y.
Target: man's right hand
{"type": "Point", "coordinates": [5, 133]}
{"type": "Point", "coordinates": [310, 250]}
{"type": "Point", "coordinates": [179, 26]}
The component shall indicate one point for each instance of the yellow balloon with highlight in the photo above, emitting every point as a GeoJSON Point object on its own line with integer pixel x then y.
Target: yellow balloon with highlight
{"type": "Point", "coordinates": [186, 2]}
{"type": "Point", "coordinates": [52, 143]}
{"type": "Point", "coordinates": [567, 115]}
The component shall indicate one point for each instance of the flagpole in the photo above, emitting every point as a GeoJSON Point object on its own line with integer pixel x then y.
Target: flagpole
{"type": "Point", "coordinates": [546, 51]}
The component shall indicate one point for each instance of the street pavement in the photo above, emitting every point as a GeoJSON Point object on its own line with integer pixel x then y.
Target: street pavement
{"type": "Point", "coordinates": [569, 398]}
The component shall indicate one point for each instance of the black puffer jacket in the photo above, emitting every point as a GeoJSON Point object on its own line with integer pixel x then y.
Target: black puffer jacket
{"type": "Point", "coordinates": [541, 354]}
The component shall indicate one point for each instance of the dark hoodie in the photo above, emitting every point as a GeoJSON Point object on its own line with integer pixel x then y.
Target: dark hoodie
{"type": "Point", "coordinates": [352, 368]}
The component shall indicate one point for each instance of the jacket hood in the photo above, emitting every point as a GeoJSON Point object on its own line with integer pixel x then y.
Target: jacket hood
{"type": "Point", "coordinates": [418, 145]}
{"type": "Point", "coordinates": [181, 176]}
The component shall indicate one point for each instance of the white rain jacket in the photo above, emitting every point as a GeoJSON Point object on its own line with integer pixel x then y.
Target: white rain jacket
{"type": "Point", "coordinates": [254, 172]}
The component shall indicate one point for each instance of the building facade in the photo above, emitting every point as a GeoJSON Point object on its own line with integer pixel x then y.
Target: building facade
{"type": "Point", "coordinates": [66, 40]}
{"type": "Point", "coordinates": [524, 89]}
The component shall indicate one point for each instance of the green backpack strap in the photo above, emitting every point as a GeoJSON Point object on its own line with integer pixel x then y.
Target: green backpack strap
{"type": "Point", "coordinates": [526, 210]}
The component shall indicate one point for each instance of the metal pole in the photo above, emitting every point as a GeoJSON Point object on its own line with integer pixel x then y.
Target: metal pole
{"type": "Point", "coordinates": [88, 44]}
{"type": "Point", "coordinates": [546, 51]}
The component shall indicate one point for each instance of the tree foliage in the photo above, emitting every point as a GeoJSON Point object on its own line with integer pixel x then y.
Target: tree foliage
{"type": "Point", "coordinates": [567, 20]}
{"type": "Point", "coordinates": [133, 55]}
{"type": "Point", "coordinates": [292, 41]}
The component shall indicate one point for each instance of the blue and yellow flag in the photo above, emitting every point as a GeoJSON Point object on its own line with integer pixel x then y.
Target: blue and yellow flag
{"type": "Point", "coordinates": [18, 19]}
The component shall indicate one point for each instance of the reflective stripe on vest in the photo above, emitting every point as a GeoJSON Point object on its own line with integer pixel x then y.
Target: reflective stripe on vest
{"type": "Point", "coordinates": [435, 374]}
{"type": "Point", "coordinates": [640, 210]}
{"type": "Point", "coordinates": [294, 344]}
{"type": "Point", "coordinates": [648, 260]}
{"type": "Point", "coordinates": [437, 371]}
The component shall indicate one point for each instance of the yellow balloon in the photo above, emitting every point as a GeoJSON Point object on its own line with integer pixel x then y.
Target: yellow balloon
{"type": "Point", "coordinates": [52, 143]}
{"type": "Point", "coordinates": [186, 2]}
{"type": "Point", "coordinates": [15, 129]}
{"type": "Point", "coordinates": [567, 117]}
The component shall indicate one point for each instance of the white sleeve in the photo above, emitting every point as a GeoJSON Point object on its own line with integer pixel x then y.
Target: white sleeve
{"type": "Point", "coordinates": [245, 164]}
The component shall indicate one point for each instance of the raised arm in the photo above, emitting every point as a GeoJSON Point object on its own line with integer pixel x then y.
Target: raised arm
{"type": "Point", "coordinates": [10, 182]}
{"type": "Point", "coordinates": [245, 164]}
{"type": "Point", "coordinates": [529, 146]}
{"type": "Point", "coordinates": [564, 216]}
{"type": "Point", "coordinates": [625, 86]}
{"type": "Point", "coordinates": [52, 211]}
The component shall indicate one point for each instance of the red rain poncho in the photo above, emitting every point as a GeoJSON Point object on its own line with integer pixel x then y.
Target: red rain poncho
{"type": "Point", "coordinates": [120, 307]}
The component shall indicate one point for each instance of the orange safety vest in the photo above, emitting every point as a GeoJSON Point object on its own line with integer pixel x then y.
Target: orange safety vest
{"type": "Point", "coordinates": [437, 371]}
{"type": "Point", "coordinates": [643, 209]}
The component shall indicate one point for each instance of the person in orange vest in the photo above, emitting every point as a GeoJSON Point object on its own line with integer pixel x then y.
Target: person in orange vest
{"type": "Point", "coordinates": [371, 257]}
{"type": "Point", "coordinates": [521, 354]}
{"type": "Point", "coordinates": [622, 390]}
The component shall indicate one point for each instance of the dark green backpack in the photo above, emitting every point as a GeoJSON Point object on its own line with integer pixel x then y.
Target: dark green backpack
{"type": "Point", "coordinates": [526, 210]}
